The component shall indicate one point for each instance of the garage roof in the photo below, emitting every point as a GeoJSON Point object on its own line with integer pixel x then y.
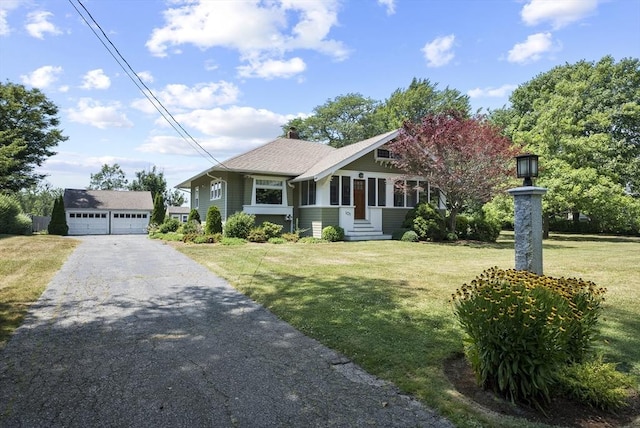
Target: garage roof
{"type": "Point", "coordinates": [107, 200]}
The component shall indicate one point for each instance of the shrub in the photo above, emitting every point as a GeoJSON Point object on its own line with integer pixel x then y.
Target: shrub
{"type": "Point", "coordinates": [523, 328]}
{"type": "Point", "coordinates": [277, 240]}
{"type": "Point", "coordinates": [290, 237]}
{"type": "Point", "coordinates": [271, 230]}
{"type": "Point", "coordinates": [23, 225]}
{"type": "Point", "coordinates": [409, 236]}
{"type": "Point", "coordinates": [194, 215]}
{"type": "Point", "coordinates": [427, 222]}
{"type": "Point", "coordinates": [213, 223]}
{"type": "Point", "coordinates": [484, 229]}
{"type": "Point", "coordinates": [58, 224]}
{"type": "Point", "coordinates": [239, 225]}
{"type": "Point", "coordinates": [159, 211]}
{"type": "Point", "coordinates": [191, 227]}
{"type": "Point", "coordinates": [232, 241]}
{"type": "Point", "coordinates": [9, 210]}
{"type": "Point", "coordinates": [596, 383]}
{"type": "Point", "coordinates": [397, 235]}
{"type": "Point", "coordinates": [257, 235]}
{"type": "Point", "coordinates": [190, 237]}
{"type": "Point", "coordinates": [170, 225]}
{"type": "Point", "coordinates": [333, 233]}
{"type": "Point", "coordinates": [462, 226]}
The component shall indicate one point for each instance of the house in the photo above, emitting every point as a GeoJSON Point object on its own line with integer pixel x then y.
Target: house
{"type": "Point", "coordinates": [310, 185]}
{"type": "Point", "coordinates": [107, 212]}
{"type": "Point", "coordinates": [179, 213]}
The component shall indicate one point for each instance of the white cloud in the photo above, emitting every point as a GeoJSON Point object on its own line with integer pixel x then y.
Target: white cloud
{"type": "Point", "coordinates": [532, 49]}
{"type": "Point", "coordinates": [389, 4]}
{"type": "Point", "coordinates": [439, 51]}
{"type": "Point", "coordinates": [96, 79]}
{"type": "Point", "coordinates": [490, 92]}
{"type": "Point", "coordinates": [7, 6]}
{"type": "Point", "coordinates": [222, 147]}
{"type": "Point", "coordinates": [38, 24]}
{"type": "Point", "coordinates": [272, 68]}
{"type": "Point", "coordinates": [202, 95]}
{"type": "Point", "coordinates": [42, 77]}
{"type": "Point", "coordinates": [146, 76]}
{"type": "Point", "coordinates": [94, 113]}
{"type": "Point", "coordinates": [257, 30]}
{"type": "Point", "coordinates": [559, 13]}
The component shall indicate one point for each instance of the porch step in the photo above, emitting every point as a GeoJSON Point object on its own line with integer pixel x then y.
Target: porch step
{"type": "Point", "coordinates": [380, 237]}
{"type": "Point", "coordinates": [363, 230]}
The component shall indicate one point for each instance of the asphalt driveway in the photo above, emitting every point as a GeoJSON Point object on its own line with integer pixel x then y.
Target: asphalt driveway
{"type": "Point", "coordinates": [131, 333]}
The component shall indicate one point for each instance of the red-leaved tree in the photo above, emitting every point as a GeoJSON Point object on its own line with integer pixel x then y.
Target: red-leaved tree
{"type": "Point", "coordinates": [468, 159]}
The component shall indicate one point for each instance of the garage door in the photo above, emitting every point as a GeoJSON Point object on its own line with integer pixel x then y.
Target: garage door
{"type": "Point", "coordinates": [88, 223]}
{"type": "Point", "coordinates": [124, 223]}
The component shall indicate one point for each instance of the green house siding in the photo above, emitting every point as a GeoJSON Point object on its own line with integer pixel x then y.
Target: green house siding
{"type": "Point", "coordinates": [321, 216]}
{"type": "Point", "coordinates": [367, 163]}
{"type": "Point", "coordinates": [392, 219]}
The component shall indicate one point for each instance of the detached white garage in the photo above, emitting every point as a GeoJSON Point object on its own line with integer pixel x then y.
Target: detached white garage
{"type": "Point", "coordinates": [107, 212]}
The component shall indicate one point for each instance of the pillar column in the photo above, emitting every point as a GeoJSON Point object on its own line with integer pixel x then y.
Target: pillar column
{"type": "Point", "coordinates": [528, 227]}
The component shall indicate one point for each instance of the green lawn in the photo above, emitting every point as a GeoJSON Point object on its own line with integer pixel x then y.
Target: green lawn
{"type": "Point", "coordinates": [385, 304]}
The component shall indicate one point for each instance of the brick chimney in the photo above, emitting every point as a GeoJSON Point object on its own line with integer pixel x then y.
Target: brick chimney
{"type": "Point", "coordinates": [293, 133]}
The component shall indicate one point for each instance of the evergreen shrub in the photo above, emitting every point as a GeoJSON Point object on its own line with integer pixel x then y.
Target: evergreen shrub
{"type": "Point", "coordinates": [239, 225]}
{"type": "Point", "coordinates": [170, 225]}
{"type": "Point", "coordinates": [213, 223]}
{"type": "Point", "coordinates": [409, 236]}
{"type": "Point", "coordinates": [427, 222]}
{"type": "Point", "coordinates": [333, 233]}
{"type": "Point", "coordinates": [194, 215]}
{"type": "Point", "coordinates": [271, 230]}
{"type": "Point", "coordinates": [58, 224]}
{"type": "Point", "coordinates": [257, 235]}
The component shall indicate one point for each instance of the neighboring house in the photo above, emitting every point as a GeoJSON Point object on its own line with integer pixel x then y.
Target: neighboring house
{"type": "Point", "coordinates": [308, 185]}
{"type": "Point", "coordinates": [179, 213]}
{"type": "Point", "coordinates": [107, 212]}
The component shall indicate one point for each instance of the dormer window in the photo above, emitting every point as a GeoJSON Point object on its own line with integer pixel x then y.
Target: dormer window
{"type": "Point", "coordinates": [383, 155]}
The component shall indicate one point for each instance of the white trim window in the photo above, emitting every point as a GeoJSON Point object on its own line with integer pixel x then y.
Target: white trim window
{"type": "Point", "coordinates": [196, 197]}
{"type": "Point", "coordinates": [216, 190]}
{"type": "Point", "coordinates": [269, 191]}
{"type": "Point", "coordinates": [410, 193]}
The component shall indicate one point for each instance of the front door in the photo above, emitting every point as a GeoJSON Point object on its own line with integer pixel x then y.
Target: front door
{"type": "Point", "coordinates": [359, 199]}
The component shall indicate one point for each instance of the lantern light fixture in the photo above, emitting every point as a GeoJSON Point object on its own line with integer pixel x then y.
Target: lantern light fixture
{"type": "Point", "coordinates": [527, 168]}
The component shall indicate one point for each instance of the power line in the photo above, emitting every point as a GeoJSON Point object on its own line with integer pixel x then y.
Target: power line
{"type": "Point", "coordinates": [148, 93]}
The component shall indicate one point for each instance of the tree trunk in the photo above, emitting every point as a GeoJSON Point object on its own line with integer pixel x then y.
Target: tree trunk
{"type": "Point", "coordinates": [545, 226]}
{"type": "Point", "coordinates": [452, 220]}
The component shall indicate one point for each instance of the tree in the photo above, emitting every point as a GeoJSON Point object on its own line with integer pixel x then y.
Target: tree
{"type": "Point", "coordinates": [213, 223]}
{"type": "Point", "coordinates": [28, 132]}
{"type": "Point", "coordinates": [155, 182]}
{"type": "Point", "coordinates": [194, 215]}
{"type": "Point", "coordinates": [158, 213]}
{"type": "Point", "coordinates": [110, 177]}
{"type": "Point", "coordinates": [339, 122]}
{"type": "Point", "coordinates": [583, 120]}
{"type": "Point", "coordinates": [58, 224]}
{"type": "Point", "coordinates": [415, 102]}
{"type": "Point", "coordinates": [468, 159]}
{"type": "Point", "coordinates": [38, 199]}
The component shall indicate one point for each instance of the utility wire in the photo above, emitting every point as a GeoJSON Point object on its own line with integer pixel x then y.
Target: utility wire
{"type": "Point", "coordinates": [148, 93]}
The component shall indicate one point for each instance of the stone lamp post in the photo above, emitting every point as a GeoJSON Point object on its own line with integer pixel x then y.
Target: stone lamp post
{"type": "Point", "coordinates": [528, 216]}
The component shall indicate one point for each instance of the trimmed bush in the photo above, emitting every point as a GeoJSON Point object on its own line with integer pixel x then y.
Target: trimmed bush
{"type": "Point", "coordinates": [484, 229]}
{"type": "Point", "coordinates": [257, 235]}
{"type": "Point", "coordinates": [58, 224]}
{"type": "Point", "coordinates": [462, 226]}
{"type": "Point", "coordinates": [239, 225]}
{"type": "Point", "coordinates": [170, 225]}
{"type": "Point", "coordinates": [271, 230]}
{"type": "Point", "coordinates": [194, 215]}
{"type": "Point", "coordinates": [333, 233]}
{"type": "Point", "coordinates": [290, 237]}
{"type": "Point", "coordinates": [191, 227]}
{"type": "Point", "coordinates": [409, 236]}
{"type": "Point", "coordinates": [213, 223]}
{"type": "Point", "coordinates": [522, 329]}
{"type": "Point", "coordinates": [427, 222]}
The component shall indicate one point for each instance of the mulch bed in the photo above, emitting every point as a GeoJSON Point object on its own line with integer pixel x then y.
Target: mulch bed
{"type": "Point", "coordinates": [561, 411]}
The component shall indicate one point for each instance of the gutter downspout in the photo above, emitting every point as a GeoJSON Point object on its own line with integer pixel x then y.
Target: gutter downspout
{"type": "Point", "coordinates": [226, 186]}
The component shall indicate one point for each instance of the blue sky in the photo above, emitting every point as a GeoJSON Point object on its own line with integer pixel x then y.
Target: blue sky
{"type": "Point", "coordinates": [232, 72]}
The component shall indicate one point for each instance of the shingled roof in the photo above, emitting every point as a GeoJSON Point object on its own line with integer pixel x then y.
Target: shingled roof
{"type": "Point", "coordinates": [107, 200]}
{"type": "Point", "coordinates": [304, 160]}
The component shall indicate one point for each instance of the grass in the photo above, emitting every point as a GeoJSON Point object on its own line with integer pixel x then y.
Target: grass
{"type": "Point", "coordinates": [385, 304]}
{"type": "Point", "coordinates": [27, 264]}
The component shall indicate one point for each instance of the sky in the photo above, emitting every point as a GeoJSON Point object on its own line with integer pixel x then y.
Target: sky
{"type": "Point", "coordinates": [232, 72]}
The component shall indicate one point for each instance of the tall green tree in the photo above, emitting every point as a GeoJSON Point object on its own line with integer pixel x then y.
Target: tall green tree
{"type": "Point", "coordinates": [28, 133]}
{"type": "Point", "coordinates": [38, 199]}
{"type": "Point", "coordinates": [110, 177]}
{"type": "Point", "coordinates": [58, 224]}
{"type": "Point", "coordinates": [416, 101]}
{"type": "Point", "coordinates": [159, 210]}
{"type": "Point", "coordinates": [154, 181]}
{"type": "Point", "coordinates": [341, 121]}
{"type": "Point", "coordinates": [583, 120]}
